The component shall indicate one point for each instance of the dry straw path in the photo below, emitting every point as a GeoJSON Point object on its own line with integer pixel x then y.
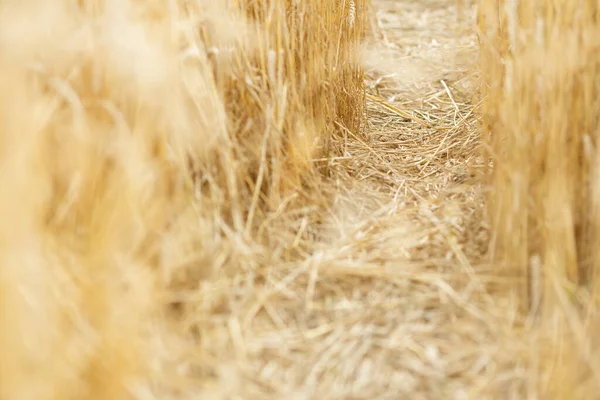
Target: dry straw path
{"type": "Point", "coordinates": [396, 300]}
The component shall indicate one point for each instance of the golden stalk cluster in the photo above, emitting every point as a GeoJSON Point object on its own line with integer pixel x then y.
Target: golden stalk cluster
{"type": "Point", "coordinates": [540, 64]}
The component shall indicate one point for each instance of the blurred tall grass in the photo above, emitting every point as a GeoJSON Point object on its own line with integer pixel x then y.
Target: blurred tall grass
{"type": "Point", "coordinates": [540, 65]}
{"type": "Point", "coordinates": [144, 146]}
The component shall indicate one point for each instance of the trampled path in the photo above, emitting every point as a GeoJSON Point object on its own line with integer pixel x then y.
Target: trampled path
{"type": "Point", "coordinates": [398, 303]}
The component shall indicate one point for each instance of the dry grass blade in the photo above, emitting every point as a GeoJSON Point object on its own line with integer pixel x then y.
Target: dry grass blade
{"type": "Point", "coordinates": [401, 113]}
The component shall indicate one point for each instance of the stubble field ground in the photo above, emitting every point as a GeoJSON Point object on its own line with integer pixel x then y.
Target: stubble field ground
{"type": "Point", "coordinates": [397, 299]}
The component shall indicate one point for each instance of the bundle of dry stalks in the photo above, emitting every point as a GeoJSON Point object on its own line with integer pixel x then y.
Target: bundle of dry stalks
{"type": "Point", "coordinates": [144, 145]}
{"type": "Point", "coordinates": [540, 62]}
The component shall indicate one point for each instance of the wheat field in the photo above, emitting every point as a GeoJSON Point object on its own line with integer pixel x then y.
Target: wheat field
{"type": "Point", "coordinates": [273, 199]}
